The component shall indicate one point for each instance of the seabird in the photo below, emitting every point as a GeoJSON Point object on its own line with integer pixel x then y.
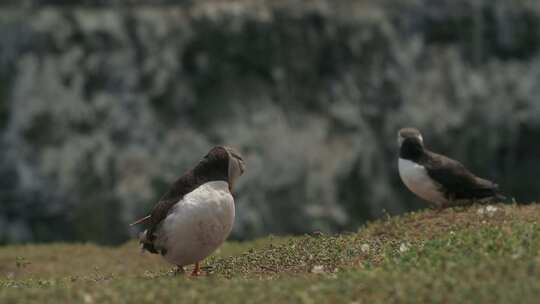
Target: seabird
{"type": "Point", "coordinates": [196, 215]}
{"type": "Point", "coordinates": [436, 178]}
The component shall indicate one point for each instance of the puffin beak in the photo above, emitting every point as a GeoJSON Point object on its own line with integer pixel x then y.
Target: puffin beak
{"type": "Point", "coordinates": [235, 170]}
{"type": "Point", "coordinates": [242, 167]}
{"type": "Point", "coordinates": [239, 170]}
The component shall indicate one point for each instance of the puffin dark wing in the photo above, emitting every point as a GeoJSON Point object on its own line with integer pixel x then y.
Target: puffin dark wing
{"type": "Point", "coordinates": [213, 167]}
{"type": "Point", "coordinates": [456, 181]}
{"type": "Point", "coordinates": [180, 188]}
{"type": "Point", "coordinates": [159, 213]}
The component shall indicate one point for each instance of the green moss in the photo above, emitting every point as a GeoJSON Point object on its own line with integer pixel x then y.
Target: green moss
{"type": "Point", "coordinates": [457, 256]}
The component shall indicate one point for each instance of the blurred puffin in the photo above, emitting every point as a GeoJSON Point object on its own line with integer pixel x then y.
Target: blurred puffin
{"type": "Point", "coordinates": [196, 215]}
{"type": "Point", "coordinates": [436, 178]}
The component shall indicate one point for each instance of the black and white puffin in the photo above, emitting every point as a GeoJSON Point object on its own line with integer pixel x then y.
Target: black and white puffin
{"type": "Point", "coordinates": [196, 215]}
{"type": "Point", "coordinates": [436, 178]}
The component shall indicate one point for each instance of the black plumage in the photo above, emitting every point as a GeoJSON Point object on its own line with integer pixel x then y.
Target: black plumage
{"type": "Point", "coordinates": [213, 167]}
{"type": "Point", "coordinates": [453, 179]}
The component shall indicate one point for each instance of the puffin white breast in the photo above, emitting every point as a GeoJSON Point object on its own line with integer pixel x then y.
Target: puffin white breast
{"type": "Point", "coordinates": [198, 224]}
{"type": "Point", "coordinates": [415, 177]}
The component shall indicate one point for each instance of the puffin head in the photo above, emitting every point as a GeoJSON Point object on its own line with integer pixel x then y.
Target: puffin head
{"type": "Point", "coordinates": [236, 166]}
{"type": "Point", "coordinates": [223, 163]}
{"type": "Point", "coordinates": [412, 135]}
{"type": "Point", "coordinates": [411, 143]}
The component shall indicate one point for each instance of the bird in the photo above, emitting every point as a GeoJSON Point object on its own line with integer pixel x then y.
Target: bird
{"type": "Point", "coordinates": [196, 215]}
{"type": "Point", "coordinates": [440, 180]}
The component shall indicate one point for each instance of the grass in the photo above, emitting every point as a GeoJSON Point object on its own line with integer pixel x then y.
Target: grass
{"type": "Point", "coordinates": [465, 255]}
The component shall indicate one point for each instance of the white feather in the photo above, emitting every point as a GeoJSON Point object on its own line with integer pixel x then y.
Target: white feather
{"type": "Point", "coordinates": [415, 177]}
{"type": "Point", "coordinates": [198, 224]}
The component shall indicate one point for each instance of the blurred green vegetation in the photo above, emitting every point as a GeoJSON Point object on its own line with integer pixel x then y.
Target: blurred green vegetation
{"type": "Point", "coordinates": [101, 107]}
{"type": "Point", "coordinates": [465, 255]}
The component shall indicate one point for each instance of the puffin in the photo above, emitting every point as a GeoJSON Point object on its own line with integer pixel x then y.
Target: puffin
{"type": "Point", "coordinates": [195, 216]}
{"type": "Point", "coordinates": [437, 179]}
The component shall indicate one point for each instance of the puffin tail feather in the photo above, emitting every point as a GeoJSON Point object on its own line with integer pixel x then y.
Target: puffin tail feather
{"type": "Point", "coordinates": [142, 220]}
{"type": "Point", "coordinates": [500, 196]}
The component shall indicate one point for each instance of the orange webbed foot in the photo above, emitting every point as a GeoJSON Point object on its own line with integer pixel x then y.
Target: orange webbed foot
{"type": "Point", "coordinates": [196, 270]}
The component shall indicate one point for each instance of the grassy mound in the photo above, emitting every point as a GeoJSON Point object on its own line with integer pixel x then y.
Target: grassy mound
{"type": "Point", "coordinates": [477, 255]}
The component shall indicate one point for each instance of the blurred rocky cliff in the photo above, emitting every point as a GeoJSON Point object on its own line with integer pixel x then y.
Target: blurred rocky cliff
{"type": "Point", "coordinates": [101, 107]}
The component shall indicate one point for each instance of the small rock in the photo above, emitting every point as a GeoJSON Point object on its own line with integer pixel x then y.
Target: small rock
{"type": "Point", "coordinates": [491, 210]}
{"type": "Point", "coordinates": [403, 248]}
{"type": "Point", "coordinates": [488, 210]}
{"type": "Point", "coordinates": [364, 248]}
{"type": "Point", "coordinates": [317, 269]}
{"type": "Point", "coordinates": [88, 298]}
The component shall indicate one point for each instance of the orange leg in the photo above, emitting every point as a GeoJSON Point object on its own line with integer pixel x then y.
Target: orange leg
{"type": "Point", "coordinates": [197, 270]}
